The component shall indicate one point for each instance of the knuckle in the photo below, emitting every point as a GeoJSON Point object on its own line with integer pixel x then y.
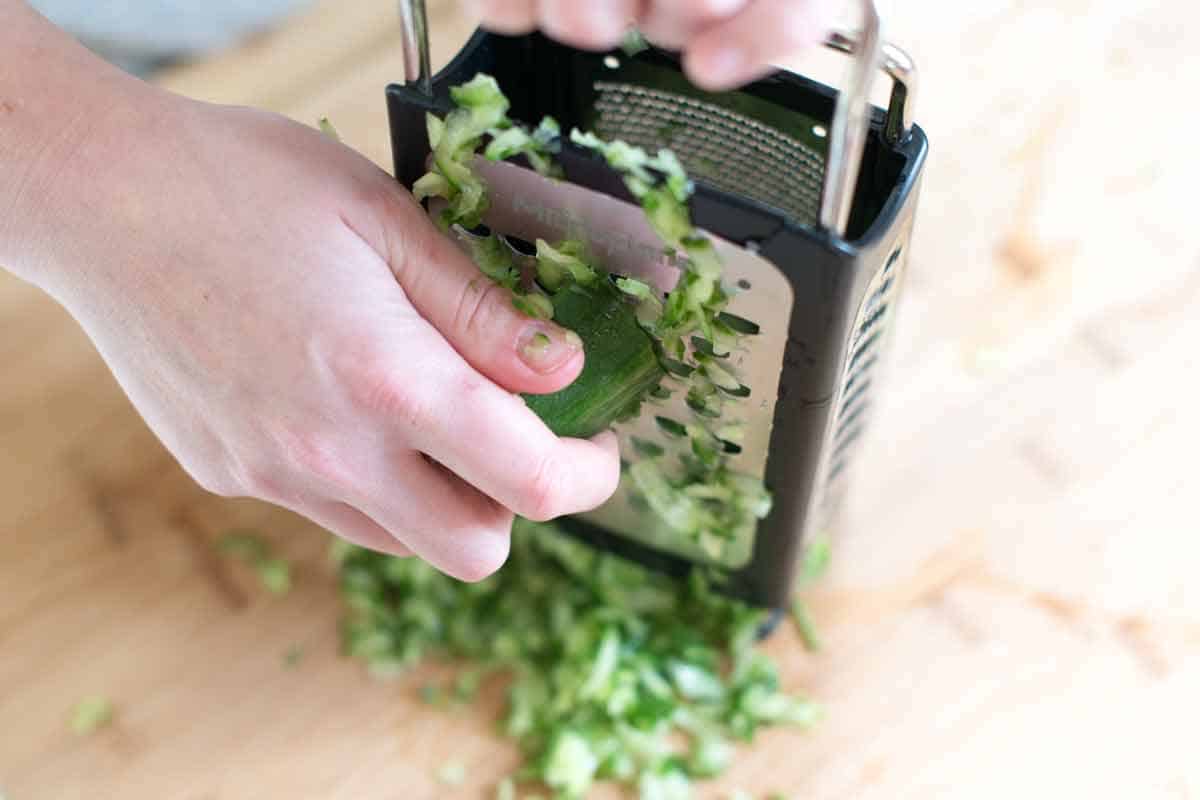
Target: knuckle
{"type": "Point", "coordinates": [541, 496]}
{"type": "Point", "coordinates": [315, 458]}
{"type": "Point", "coordinates": [411, 249]}
{"type": "Point", "coordinates": [242, 477]}
{"type": "Point", "coordinates": [477, 308]}
{"type": "Point", "coordinates": [227, 480]}
{"type": "Point", "coordinates": [221, 486]}
{"type": "Point", "coordinates": [375, 387]}
{"type": "Point", "coordinates": [660, 23]}
{"type": "Point", "coordinates": [216, 472]}
{"type": "Point", "coordinates": [396, 227]}
{"type": "Point", "coordinates": [262, 483]}
{"type": "Point", "coordinates": [575, 24]}
{"type": "Point", "coordinates": [391, 398]}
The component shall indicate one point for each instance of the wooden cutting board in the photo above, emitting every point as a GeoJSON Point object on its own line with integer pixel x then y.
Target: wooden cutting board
{"type": "Point", "coordinates": [1012, 610]}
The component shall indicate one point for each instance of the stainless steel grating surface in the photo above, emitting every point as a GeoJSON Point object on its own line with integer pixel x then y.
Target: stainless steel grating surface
{"type": "Point", "coordinates": [725, 149]}
{"type": "Point", "coordinates": [869, 331]}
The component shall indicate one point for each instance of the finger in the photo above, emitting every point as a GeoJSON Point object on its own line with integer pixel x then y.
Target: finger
{"type": "Point", "coordinates": [352, 525]}
{"type": "Point", "coordinates": [494, 442]}
{"type": "Point", "coordinates": [423, 396]}
{"type": "Point", "coordinates": [511, 17]}
{"type": "Point", "coordinates": [745, 47]}
{"type": "Point", "coordinates": [674, 23]}
{"type": "Point", "coordinates": [479, 319]}
{"type": "Point", "coordinates": [441, 519]}
{"type": "Point", "coordinates": [589, 24]}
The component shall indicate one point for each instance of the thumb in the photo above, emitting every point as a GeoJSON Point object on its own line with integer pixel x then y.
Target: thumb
{"type": "Point", "coordinates": [477, 316]}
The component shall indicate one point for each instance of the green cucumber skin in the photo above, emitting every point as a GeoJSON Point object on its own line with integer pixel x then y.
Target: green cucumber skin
{"type": "Point", "coordinates": [620, 365]}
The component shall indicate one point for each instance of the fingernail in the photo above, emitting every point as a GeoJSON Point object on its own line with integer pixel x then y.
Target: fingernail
{"type": "Point", "coordinates": [725, 66]}
{"type": "Point", "coordinates": [545, 348]}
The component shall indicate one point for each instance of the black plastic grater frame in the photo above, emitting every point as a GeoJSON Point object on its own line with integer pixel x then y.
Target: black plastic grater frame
{"type": "Point", "coordinates": [843, 252]}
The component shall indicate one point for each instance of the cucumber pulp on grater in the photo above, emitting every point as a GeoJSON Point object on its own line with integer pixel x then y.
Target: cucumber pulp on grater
{"type": "Point", "coordinates": [640, 346]}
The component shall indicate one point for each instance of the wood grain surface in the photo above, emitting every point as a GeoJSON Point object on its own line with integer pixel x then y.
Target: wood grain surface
{"type": "Point", "coordinates": [1012, 611]}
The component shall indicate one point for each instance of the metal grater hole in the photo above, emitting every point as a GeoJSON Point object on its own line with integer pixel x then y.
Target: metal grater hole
{"type": "Point", "coordinates": [862, 372]}
{"type": "Point", "coordinates": [864, 348]}
{"type": "Point", "coordinates": [851, 419]}
{"type": "Point", "coordinates": [872, 321]}
{"type": "Point", "coordinates": [854, 397]}
{"type": "Point", "coordinates": [728, 150]}
{"type": "Point", "coordinates": [845, 446]}
{"type": "Point", "coordinates": [848, 422]}
{"type": "Point", "coordinates": [893, 259]}
{"type": "Point", "coordinates": [838, 468]}
{"type": "Point", "coordinates": [879, 294]}
{"type": "Point", "coordinates": [843, 455]}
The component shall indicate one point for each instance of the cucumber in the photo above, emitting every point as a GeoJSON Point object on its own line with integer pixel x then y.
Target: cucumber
{"type": "Point", "coordinates": [621, 366]}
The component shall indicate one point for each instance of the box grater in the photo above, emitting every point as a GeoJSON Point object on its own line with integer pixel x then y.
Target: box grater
{"type": "Point", "coordinates": [809, 194]}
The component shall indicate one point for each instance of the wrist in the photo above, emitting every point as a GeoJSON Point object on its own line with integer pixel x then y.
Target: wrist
{"type": "Point", "coordinates": [63, 112]}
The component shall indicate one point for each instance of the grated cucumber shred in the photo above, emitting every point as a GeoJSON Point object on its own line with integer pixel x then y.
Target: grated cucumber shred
{"type": "Point", "coordinates": [614, 672]}
{"type": "Point", "coordinates": [273, 572]}
{"type": "Point", "coordinates": [91, 714]}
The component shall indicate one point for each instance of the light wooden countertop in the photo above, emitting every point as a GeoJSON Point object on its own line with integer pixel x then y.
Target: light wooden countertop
{"type": "Point", "coordinates": [1013, 609]}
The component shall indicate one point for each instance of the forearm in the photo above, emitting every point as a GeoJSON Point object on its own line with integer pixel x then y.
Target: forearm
{"type": "Point", "coordinates": [57, 100]}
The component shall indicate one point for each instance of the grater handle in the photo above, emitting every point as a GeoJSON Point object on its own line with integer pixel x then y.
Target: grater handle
{"type": "Point", "coordinates": [899, 66]}
{"type": "Point", "coordinates": [851, 114]}
{"type": "Point", "coordinates": [414, 24]}
{"type": "Point", "coordinates": [851, 118]}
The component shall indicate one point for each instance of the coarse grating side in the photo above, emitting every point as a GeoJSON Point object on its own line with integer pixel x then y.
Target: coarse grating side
{"type": "Point", "coordinates": [859, 379]}
{"type": "Point", "coordinates": [726, 150]}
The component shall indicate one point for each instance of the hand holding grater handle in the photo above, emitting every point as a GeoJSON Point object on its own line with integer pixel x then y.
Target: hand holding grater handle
{"type": "Point", "coordinates": [851, 119]}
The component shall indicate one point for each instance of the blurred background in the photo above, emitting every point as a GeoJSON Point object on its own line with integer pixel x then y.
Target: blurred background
{"type": "Point", "coordinates": [144, 35]}
{"type": "Point", "coordinates": [1012, 609]}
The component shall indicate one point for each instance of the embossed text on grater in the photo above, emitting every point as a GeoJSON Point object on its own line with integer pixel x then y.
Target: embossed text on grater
{"type": "Point", "coordinates": [727, 150]}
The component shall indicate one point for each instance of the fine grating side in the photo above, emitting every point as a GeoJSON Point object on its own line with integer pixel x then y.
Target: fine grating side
{"type": "Point", "coordinates": [726, 150]}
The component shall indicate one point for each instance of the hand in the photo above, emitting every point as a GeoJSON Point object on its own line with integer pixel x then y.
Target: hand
{"type": "Point", "coordinates": [725, 43]}
{"type": "Point", "coordinates": [293, 328]}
